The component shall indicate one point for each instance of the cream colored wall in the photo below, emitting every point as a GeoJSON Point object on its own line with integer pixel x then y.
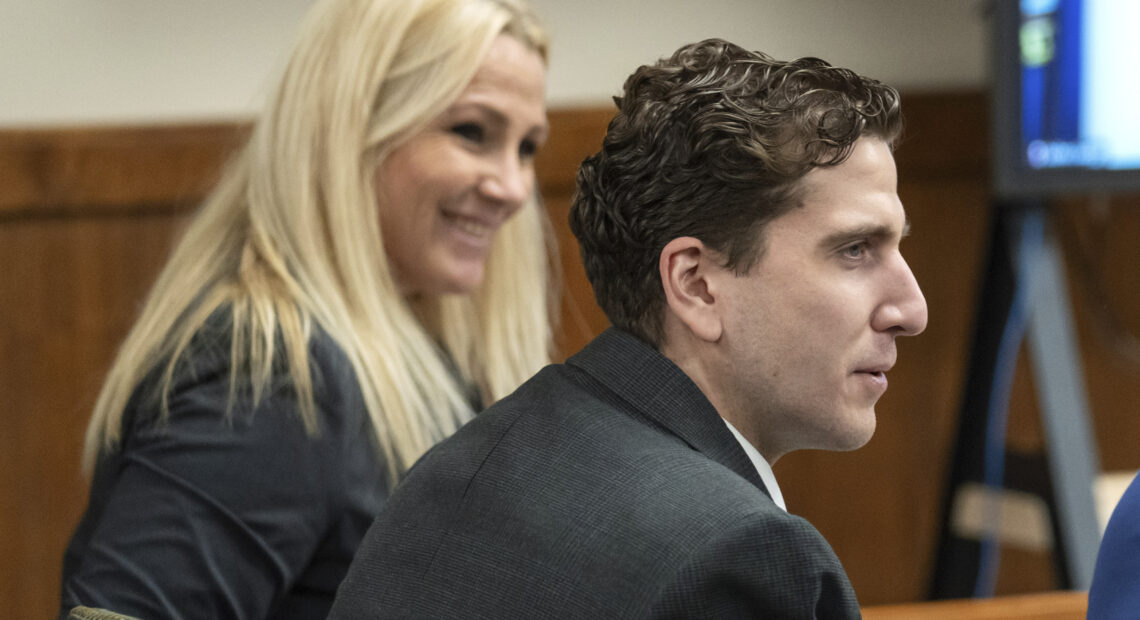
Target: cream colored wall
{"type": "Point", "coordinates": [68, 61]}
{"type": "Point", "coordinates": [96, 61]}
{"type": "Point", "coordinates": [913, 44]}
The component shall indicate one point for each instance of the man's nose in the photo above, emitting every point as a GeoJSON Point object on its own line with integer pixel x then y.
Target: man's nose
{"type": "Point", "coordinates": [904, 309]}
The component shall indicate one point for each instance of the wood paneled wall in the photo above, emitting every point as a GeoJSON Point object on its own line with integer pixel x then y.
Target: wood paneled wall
{"type": "Point", "coordinates": [87, 217]}
{"type": "Point", "coordinates": [86, 221]}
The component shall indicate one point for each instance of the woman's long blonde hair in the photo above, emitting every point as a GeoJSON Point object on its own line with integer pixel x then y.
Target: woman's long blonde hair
{"type": "Point", "coordinates": [291, 237]}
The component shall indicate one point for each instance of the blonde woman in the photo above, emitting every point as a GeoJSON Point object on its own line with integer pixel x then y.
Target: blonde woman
{"type": "Point", "coordinates": [370, 271]}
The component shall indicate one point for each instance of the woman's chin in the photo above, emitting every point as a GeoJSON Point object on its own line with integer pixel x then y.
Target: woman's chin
{"type": "Point", "coordinates": [462, 278]}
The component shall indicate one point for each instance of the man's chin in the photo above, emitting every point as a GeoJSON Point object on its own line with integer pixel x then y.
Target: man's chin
{"type": "Point", "coordinates": [856, 434]}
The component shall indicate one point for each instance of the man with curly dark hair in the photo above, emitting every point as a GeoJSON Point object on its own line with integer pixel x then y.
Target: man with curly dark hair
{"type": "Point", "coordinates": [741, 229]}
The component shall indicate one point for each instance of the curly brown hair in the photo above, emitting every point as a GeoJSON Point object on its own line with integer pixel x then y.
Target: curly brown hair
{"type": "Point", "coordinates": [711, 143]}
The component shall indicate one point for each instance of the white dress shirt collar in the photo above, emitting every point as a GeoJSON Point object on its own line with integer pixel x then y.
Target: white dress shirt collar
{"type": "Point", "coordinates": [761, 465]}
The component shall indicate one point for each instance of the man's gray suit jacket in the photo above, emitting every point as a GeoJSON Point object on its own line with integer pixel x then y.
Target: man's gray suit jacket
{"type": "Point", "coordinates": [605, 487]}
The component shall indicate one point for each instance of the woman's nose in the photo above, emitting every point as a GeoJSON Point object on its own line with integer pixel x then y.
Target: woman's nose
{"type": "Point", "coordinates": [508, 181]}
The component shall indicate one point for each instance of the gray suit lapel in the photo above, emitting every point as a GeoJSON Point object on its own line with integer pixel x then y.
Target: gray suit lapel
{"type": "Point", "coordinates": [655, 388]}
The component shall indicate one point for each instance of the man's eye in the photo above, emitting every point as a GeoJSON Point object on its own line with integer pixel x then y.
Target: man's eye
{"type": "Point", "coordinates": [469, 131]}
{"type": "Point", "coordinates": [528, 149]}
{"type": "Point", "coordinates": [856, 250]}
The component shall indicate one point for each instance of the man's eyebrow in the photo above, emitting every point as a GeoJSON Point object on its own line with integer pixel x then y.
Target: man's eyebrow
{"type": "Point", "coordinates": [867, 231]}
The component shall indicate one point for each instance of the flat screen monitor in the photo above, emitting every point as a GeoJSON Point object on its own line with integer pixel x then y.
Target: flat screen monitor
{"type": "Point", "coordinates": [1066, 97]}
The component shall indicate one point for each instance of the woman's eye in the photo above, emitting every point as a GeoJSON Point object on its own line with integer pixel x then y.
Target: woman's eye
{"type": "Point", "coordinates": [468, 131]}
{"type": "Point", "coordinates": [528, 149]}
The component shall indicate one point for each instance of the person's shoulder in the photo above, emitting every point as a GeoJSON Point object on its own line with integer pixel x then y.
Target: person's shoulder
{"type": "Point", "coordinates": [725, 529]}
{"type": "Point", "coordinates": [333, 373]}
{"type": "Point", "coordinates": [1113, 592]}
{"type": "Point", "coordinates": [780, 564]}
{"type": "Point", "coordinates": [560, 436]}
{"type": "Point", "coordinates": [337, 394]}
{"type": "Point", "coordinates": [207, 386]}
{"type": "Point", "coordinates": [691, 493]}
{"type": "Point", "coordinates": [557, 476]}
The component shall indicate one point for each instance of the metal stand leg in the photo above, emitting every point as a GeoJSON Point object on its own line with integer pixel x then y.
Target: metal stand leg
{"type": "Point", "coordinates": [1070, 456]}
{"type": "Point", "coordinates": [1059, 379]}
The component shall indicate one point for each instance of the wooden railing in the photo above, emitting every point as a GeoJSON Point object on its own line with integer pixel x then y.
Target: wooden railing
{"type": "Point", "coordinates": [1045, 606]}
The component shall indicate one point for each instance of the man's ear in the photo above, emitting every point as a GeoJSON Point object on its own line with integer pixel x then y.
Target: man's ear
{"type": "Point", "coordinates": [686, 266]}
